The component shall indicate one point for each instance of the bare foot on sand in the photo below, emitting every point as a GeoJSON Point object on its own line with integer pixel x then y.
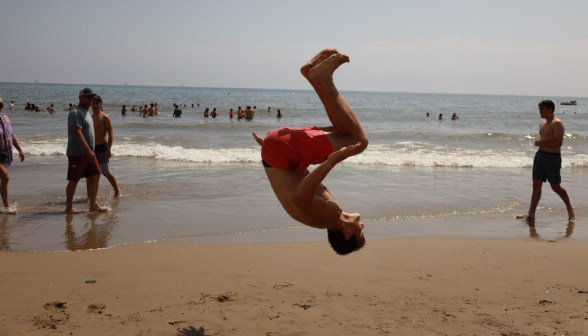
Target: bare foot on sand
{"type": "Point", "coordinates": [316, 60]}
{"type": "Point", "coordinates": [326, 69]}
{"type": "Point", "coordinates": [97, 208]}
{"type": "Point", "coordinates": [9, 210]}
{"type": "Point", "coordinates": [72, 210]}
{"type": "Point", "coordinates": [258, 139]}
{"type": "Point", "coordinates": [572, 214]}
{"type": "Point", "coordinates": [117, 192]}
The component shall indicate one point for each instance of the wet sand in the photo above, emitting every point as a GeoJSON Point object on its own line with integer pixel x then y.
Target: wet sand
{"type": "Point", "coordinates": [402, 286]}
{"type": "Point", "coordinates": [165, 200]}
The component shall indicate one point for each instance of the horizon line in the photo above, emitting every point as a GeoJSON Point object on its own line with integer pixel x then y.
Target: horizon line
{"type": "Point", "coordinates": [216, 87]}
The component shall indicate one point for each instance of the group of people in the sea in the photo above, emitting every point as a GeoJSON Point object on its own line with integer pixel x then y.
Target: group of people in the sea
{"type": "Point", "coordinates": [153, 110]}
{"type": "Point", "coordinates": [35, 108]}
{"type": "Point", "coordinates": [453, 117]}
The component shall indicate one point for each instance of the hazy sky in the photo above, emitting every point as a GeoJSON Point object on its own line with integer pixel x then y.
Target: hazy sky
{"type": "Point", "coordinates": [491, 47]}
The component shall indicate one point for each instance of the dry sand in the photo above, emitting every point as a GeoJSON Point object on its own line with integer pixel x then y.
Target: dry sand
{"type": "Point", "coordinates": [408, 286]}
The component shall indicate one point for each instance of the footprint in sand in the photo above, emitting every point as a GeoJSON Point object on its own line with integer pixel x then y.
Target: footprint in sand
{"type": "Point", "coordinates": [96, 307]}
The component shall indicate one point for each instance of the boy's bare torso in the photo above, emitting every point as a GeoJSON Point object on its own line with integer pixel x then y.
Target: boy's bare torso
{"type": "Point", "coordinates": [101, 123]}
{"type": "Point", "coordinates": [285, 183]}
{"type": "Point", "coordinates": [547, 133]}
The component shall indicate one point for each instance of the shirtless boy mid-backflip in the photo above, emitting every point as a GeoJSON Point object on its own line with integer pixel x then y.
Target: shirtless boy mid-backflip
{"type": "Point", "coordinates": [287, 152]}
{"type": "Point", "coordinates": [547, 163]}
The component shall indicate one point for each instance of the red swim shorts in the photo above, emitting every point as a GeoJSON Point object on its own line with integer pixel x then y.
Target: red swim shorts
{"type": "Point", "coordinates": [295, 148]}
{"type": "Point", "coordinates": [79, 166]}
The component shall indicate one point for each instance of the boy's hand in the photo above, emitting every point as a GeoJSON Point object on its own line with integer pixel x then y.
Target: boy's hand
{"type": "Point", "coordinates": [345, 152]}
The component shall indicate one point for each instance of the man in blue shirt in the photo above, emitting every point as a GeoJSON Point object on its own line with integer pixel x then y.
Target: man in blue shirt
{"type": "Point", "coordinates": [80, 152]}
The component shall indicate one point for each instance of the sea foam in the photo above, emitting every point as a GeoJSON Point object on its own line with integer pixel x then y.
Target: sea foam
{"type": "Point", "coordinates": [415, 154]}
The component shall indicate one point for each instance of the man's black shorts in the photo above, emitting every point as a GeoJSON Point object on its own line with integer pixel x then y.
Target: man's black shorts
{"type": "Point", "coordinates": [547, 167]}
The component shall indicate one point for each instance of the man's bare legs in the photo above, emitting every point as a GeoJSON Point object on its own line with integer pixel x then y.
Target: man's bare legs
{"type": "Point", "coordinates": [92, 188]}
{"type": "Point", "coordinates": [537, 185]}
{"type": "Point", "coordinates": [92, 183]}
{"type": "Point", "coordinates": [564, 197]}
{"type": "Point", "coordinates": [113, 183]}
{"type": "Point", "coordinates": [349, 130]}
{"type": "Point", "coordinates": [70, 191]}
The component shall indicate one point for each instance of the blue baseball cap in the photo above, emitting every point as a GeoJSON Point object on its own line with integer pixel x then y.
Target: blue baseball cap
{"type": "Point", "coordinates": [87, 92]}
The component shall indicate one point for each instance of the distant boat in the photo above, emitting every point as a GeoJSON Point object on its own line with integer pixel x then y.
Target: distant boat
{"type": "Point", "coordinates": [36, 81]}
{"type": "Point", "coordinates": [182, 85]}
{"type": "Point", "coordinates": [125, 83]}
{"type": "Point", "coordinates": [571, 102]}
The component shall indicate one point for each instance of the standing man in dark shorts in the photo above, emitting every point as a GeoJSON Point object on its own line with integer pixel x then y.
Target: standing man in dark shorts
{"type": "Point", "coordinates": [287, 152]}
{"type": "Point", "coordinates": [104, 139]}
{"type": "Point", "coordinates": [547, 163]}
{"type": "Point", "coordinates": [80, 152]}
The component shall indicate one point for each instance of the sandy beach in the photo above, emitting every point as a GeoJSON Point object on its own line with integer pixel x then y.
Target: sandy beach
{"type": "Point", "coordinates": [403, 286]}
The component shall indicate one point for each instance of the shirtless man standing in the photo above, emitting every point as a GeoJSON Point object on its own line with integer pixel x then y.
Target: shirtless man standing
{"type": "Point", "coordinates": [547, 163]}
{"type": "Point", "coordinates": [144, 112]}
{"type": "Point", "coordinates": [287, 152]}
{"type": "Point", "coordinates": [104, 139]}
{"type": "Point", "coordinates": [249, 113]}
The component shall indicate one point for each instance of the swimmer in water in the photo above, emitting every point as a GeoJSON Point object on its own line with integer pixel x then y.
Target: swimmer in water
{"type": "Point", "coordinates": [206, 113]}
{"type": "Point", "coordinates": [454, 117]}
{"type": "Point", "coordinates": [214, 114]}
{"type": "Point", "coordinates": [287, 152]}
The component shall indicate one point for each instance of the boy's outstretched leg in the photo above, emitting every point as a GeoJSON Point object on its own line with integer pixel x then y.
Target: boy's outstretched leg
{"type": "Point", "coordinates": [340, 113]}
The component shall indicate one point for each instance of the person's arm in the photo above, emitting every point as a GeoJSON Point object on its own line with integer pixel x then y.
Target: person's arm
{"type": "Point", "coordinates": [77, 132]}
{"type": "Point", "coordinates": [558, 134]}
{"type": "Point", "coordinates": [17, 146]}
{"type": "Point", "coordinates": [305, 195]}
{"type": "Point", "coordinates": [108, 124]}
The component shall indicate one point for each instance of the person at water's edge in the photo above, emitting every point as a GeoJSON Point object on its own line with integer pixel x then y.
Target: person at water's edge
{"type": "Point", "coordinates": [547, 162]}
{"type": "Point", "coordinates": [287, 152]}
{"type": "Point", "coordinates": [80, 152]}
{"type": "Point", "coordinates": [7, 141]}
{"type": "Point", "coordinates": [104, 140]}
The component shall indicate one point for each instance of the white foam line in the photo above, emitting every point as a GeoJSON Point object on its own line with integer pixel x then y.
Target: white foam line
{"type": "Point", "coordinates": [417, 154]}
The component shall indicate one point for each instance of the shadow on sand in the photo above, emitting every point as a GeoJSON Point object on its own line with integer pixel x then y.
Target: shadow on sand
{"type": "Point", "coordinates": [191, 331]}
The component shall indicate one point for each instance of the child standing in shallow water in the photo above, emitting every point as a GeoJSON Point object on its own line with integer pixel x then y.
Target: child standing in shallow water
{"type": "Point", "coordinates": [104, 138]}
{"type": "Point", "coordinates": [7, 140]}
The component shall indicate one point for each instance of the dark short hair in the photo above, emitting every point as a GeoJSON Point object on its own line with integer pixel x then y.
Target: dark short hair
{"type": "Point", "coordinates": [341, 245]}
{"type": "Point", "coordinates": [547, 104]}
{"type": "Point", "coordinates": [98, 99]}
{"type": "Point", "coordinates": [1, 105]}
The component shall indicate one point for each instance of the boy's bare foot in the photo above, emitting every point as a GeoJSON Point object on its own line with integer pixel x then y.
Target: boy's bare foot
{"type": "Point", "coordinates": [97, 208]}
{"type": "Point", "coordinates": [326, 69]}
{"type": "Point", "coordinates": [258, 139]}
{"type": "Point", "coordinates": [316, 60]}
{"type": "Point", "coordinates": [572, 214]}
{"type": "Point", "coordinates": [72, 210]}
{"type": "Point", "coordinates": [117, 192]}
{"type": "Point", "coordinates": [9, 210]}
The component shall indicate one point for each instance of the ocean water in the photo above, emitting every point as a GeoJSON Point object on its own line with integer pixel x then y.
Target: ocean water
{"type": "Point", "coordinates": [195, 177]}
